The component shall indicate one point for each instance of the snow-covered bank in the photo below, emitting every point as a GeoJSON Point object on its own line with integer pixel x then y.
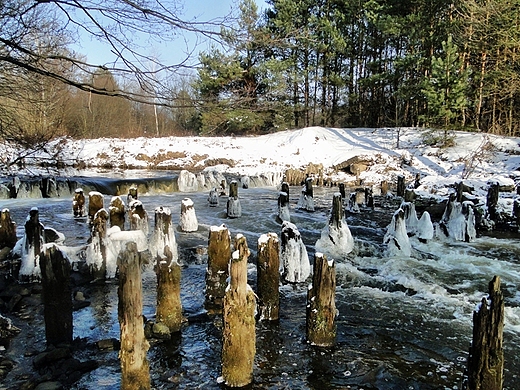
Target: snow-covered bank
{"type": "Point", "coordinates": [340, 155]}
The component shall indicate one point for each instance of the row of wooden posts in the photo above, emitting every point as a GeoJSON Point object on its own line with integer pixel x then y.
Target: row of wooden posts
{"type": "Point", "coordinates": [237, 303]}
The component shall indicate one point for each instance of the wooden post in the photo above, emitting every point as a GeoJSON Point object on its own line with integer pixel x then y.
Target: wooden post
{"type": "Point", "coordinates": [99, 234]}
{"type": "Point", "coordinates": [459, 189]}
{"type": "Point", "coordinates": [516, 211]}
{"type": "Point", "coordinates": [169, 306]}
{"type": "Point", "coordinates": [234, 209]}
{"type": "Point", "coordinates": [400, 185]}
{"type": "Point", "coordinates": [337, 214]}
{"type": "Point", "coordinates": [369, 197]}
{"type": "Point", "coordinates": [138, 217]}
{"type": "Point", "coordinates": [56, 296]}
{"type": "Point", "coordinates": [78, 203]}
{"type": "Point", "coordinates": [285, 188]}
{"type": "Point", "coordinates": [135, 371]}
{"type": "Point", "coordinates": [116, 211]}
{"type": "Point", "coordinates": [7, 230]}
{"type": "Point", "coordinates": [132, 194]}
{"type": "Point", "coordinates": [486, 354]}
{"type": "Point", "coordinates": [213, 198]}
{"type": "Point", "coordinates": [342, 190]}
{"type": "Point", "coordinates": [417, 182]}
{"type": "Point", "coordinates": [283, 207]}
{"type": "Point", "coordinates": [268, 276]}
{"type": "Point", "coordinates": [492, 200]}
{"type": "Point", "coordinates": [95, 203]}
{"type": "Point", "coordinates": [321, 307]}
{"type": "Point", "coordinates": [239, 340]}
{"type": "Point", "coordinates": [33, 233]}
{"type": "Point", "coordinates": [219, 253]}
{"type": "Point", "coordinates": [188, 221]}
{"type": "Point", "coordinates": [384, 188]}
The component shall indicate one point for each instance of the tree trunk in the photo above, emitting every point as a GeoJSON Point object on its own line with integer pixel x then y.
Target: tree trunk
{"type": "Point", "coordinates": [135, 372]}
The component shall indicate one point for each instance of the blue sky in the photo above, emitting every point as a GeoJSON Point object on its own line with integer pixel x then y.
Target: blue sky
{"type": "Point", "coordinates": [171, 52]}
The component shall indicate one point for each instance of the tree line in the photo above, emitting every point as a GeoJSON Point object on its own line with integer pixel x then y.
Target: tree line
{"type": "Point", "coordinates": [366, 63]}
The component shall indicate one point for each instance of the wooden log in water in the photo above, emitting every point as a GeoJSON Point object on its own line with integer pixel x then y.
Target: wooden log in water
{"type": "Point", "coordinates": [7, 230]}
{"type": "Point", "coordinates": [401, 185]}
{"type": "Point", "coordinates": [268, 277]}
{"type": "Point", "coordinates": [486, 354]}
{"type": "Point", "coordinates": [219, 254]}
{"type": "Point", "coordinates": [95, 203]}
{"type": "Point", "coordinates": [135, 371]}
{"type": "Point", "coordinates": [169, 306]}
{"type": "Point", "coordinates": [78, 203]}
{"type": "Point", "coordinates": [56, 296]}
{"type": "Point", "coordinates": [238, 334]}
{"type": "Point", "coordinates": [117, 212]}
{"type": "Point", "coordinates": [321, 306]}
{"type": "Point", "coordinates": [492, 200]}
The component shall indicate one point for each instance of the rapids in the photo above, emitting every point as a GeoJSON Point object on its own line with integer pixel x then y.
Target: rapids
{"type": "Point", "coordinates": [404, 322]}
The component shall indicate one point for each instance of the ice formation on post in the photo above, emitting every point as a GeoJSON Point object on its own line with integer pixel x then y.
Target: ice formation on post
{"type": "Point", "coordinates": [31, 245]}
{"type": "Point", "coordinates": [458, 221]}
{"type": "Point", "coordinates": [213, 197]}
{"type": "Point", "coordinates": [306, 201]}
{"type": "Point", "coordinates": [410, 217]}
{"type": "Point", "coordinates": [188, 221]}
{"type": "Point", "coordinates": [138, 217]}
{"type": "Point", "coordinates": [396, 236]}
{"type": "Point", "coordinates": [336, 240]}
{"type": "Point", "coordinates": [284, 213]}
{"type": "Point", "coordinates": [163, 235]}
{"type": "Point", "coordinates": [234, 209]}
{"type": "Point", "coordinates": [425, 230]}
{"type": "Point", "coordinates": [294, 259]}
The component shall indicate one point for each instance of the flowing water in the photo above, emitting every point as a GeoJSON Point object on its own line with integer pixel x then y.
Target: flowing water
{"type": "Point", "coordinates": [403, 322]}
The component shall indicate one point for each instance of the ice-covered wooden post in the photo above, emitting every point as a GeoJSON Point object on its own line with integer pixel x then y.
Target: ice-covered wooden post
{"type": "Point", "coordinates": [234, 209]}
{"type": "Point", "coordinates": [188, 221]}
{"type": "Point", "coordinates": [369, 197]}
{"type": "Point", "coordinates": [268, 277]}
{"type": "Point", "coordinates": [400, 185]}
{"type": "Point", "coordinates": [117, 211]}
{"type": "Point", "coordinates": [135, 370]}
{"type": "Point", "coordinates": [56, 295]}
{"type": "Point", "coordinates": [384, 188]}
{"type": "Point", "coordinates": [285, 188]}
{"type": "Point", "coordinates": [486, 353]}
{"type": "Point", "coordinates": [138, 217]}
{"type": "Point", "coordinates": [78, 203]}
{"type": "Point", "coordinates": [219, 254]}
{"type": "Point", "coordinates": [98, 248]}
{"type": "Point", "coordinates": [132, 194]}
{"type": "Point", "coordinates": [284, 213]}
{"type": "Point", "coordinates": [492, 200]}
{"type": "Point", "coordinates": [342, 190]}
{"type": "Point", "coordinates": [213, 198]}
{"type": "Point", "coordinates": [7, 230]}
{"type": "Point", "coordinates": [306, 201]}
{"type": "Point", "coordinates": [95, 203]}
{"type": "Point", "coordinates": [169, 306]}
{"type": "Point", "coordinates": [321, 306]}
{"type": "Point", "coordinates": [238, 334]}
{"type": "Point", "coordinates": [33, 234]}
{"type": "Point", "coordinates": [516, 211]}
{"type": "Point", "coordinates": [293, 254]}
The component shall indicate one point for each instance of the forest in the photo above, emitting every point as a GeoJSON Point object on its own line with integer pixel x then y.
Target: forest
{"type": "Point", "coordinates": [447, 65]}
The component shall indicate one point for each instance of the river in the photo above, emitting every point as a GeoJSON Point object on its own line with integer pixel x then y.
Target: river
{"type": "Point", "coordinates": [403, 322]}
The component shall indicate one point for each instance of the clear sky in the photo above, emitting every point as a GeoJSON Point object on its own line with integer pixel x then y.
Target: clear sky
{"type": "Point", "coordinates": [171, 52]}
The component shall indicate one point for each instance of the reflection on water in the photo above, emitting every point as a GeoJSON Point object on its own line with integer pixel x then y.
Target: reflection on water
{"type": "Point", "coordinates": [403, 323]}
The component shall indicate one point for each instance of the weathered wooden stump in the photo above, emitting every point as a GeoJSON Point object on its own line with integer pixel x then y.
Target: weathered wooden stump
{"type": "Point", "coordinates": [342, 190]}
{"type": "Point", "coordinates": [238, 334]}
{"type": "Point", "coordinates": [486, 354]}
{"type": "Point", "coordinates": [284, 213]}
{"type": "Point", "coordinates": [132, 194]}
{"type": "Point", "coordinates": [409, 195]}
{"type": "Point", "coordinates": [56, 295]}
{"type": "Point", "coordinates": [492, 200]}
{"type": "Point", "coordinates": [268, 277]}
{"type": "Point", "coordinates": [384, 188]}
{"type": "Point", "coordinates": [306, 201]}
{"type": "Point", "coordinates": [188, 221]}
{"type": "Point", "coordinates": [417, 182]}
{"type": "Point", "coordinates": [78, 203]}
{"type": "Point", "coordinates": [219, 254]}
{"type": "Point", "coordinates": [369, 197]}
{"type": "Point", "coordinates": [117, 212]}
{"type": "Point", "coordinates": [33, 234]}
{"type": "Point", "coordinates": [321, 306]}
{"type": "Point", "coordinates": [401, 185]}
{"type": "Point", "coordinates": [293, 254]}
{"type": "Point", "coordinates": [234, 209]}
{"type": "Point", "coordinates": [285, 188]}
{"type": "Point", "coordinates": [135, 370]}
{"type": "Point", "coordinates": [138, 217]}
{"type": "Point", "coordinates": [337, 214]}
{"type": "Point", "coordinates": [7, 230]}
{"type": "Point", "coordinates": [169, 306]}
{"type": "Point", "coordinates": [97, 258]}
{"type": "Point", "coordinates": [213, 198]}
{"type": "Point", "coordinates": [459, 187]}
{"type": "Point", "coordinates": [95, 203]}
